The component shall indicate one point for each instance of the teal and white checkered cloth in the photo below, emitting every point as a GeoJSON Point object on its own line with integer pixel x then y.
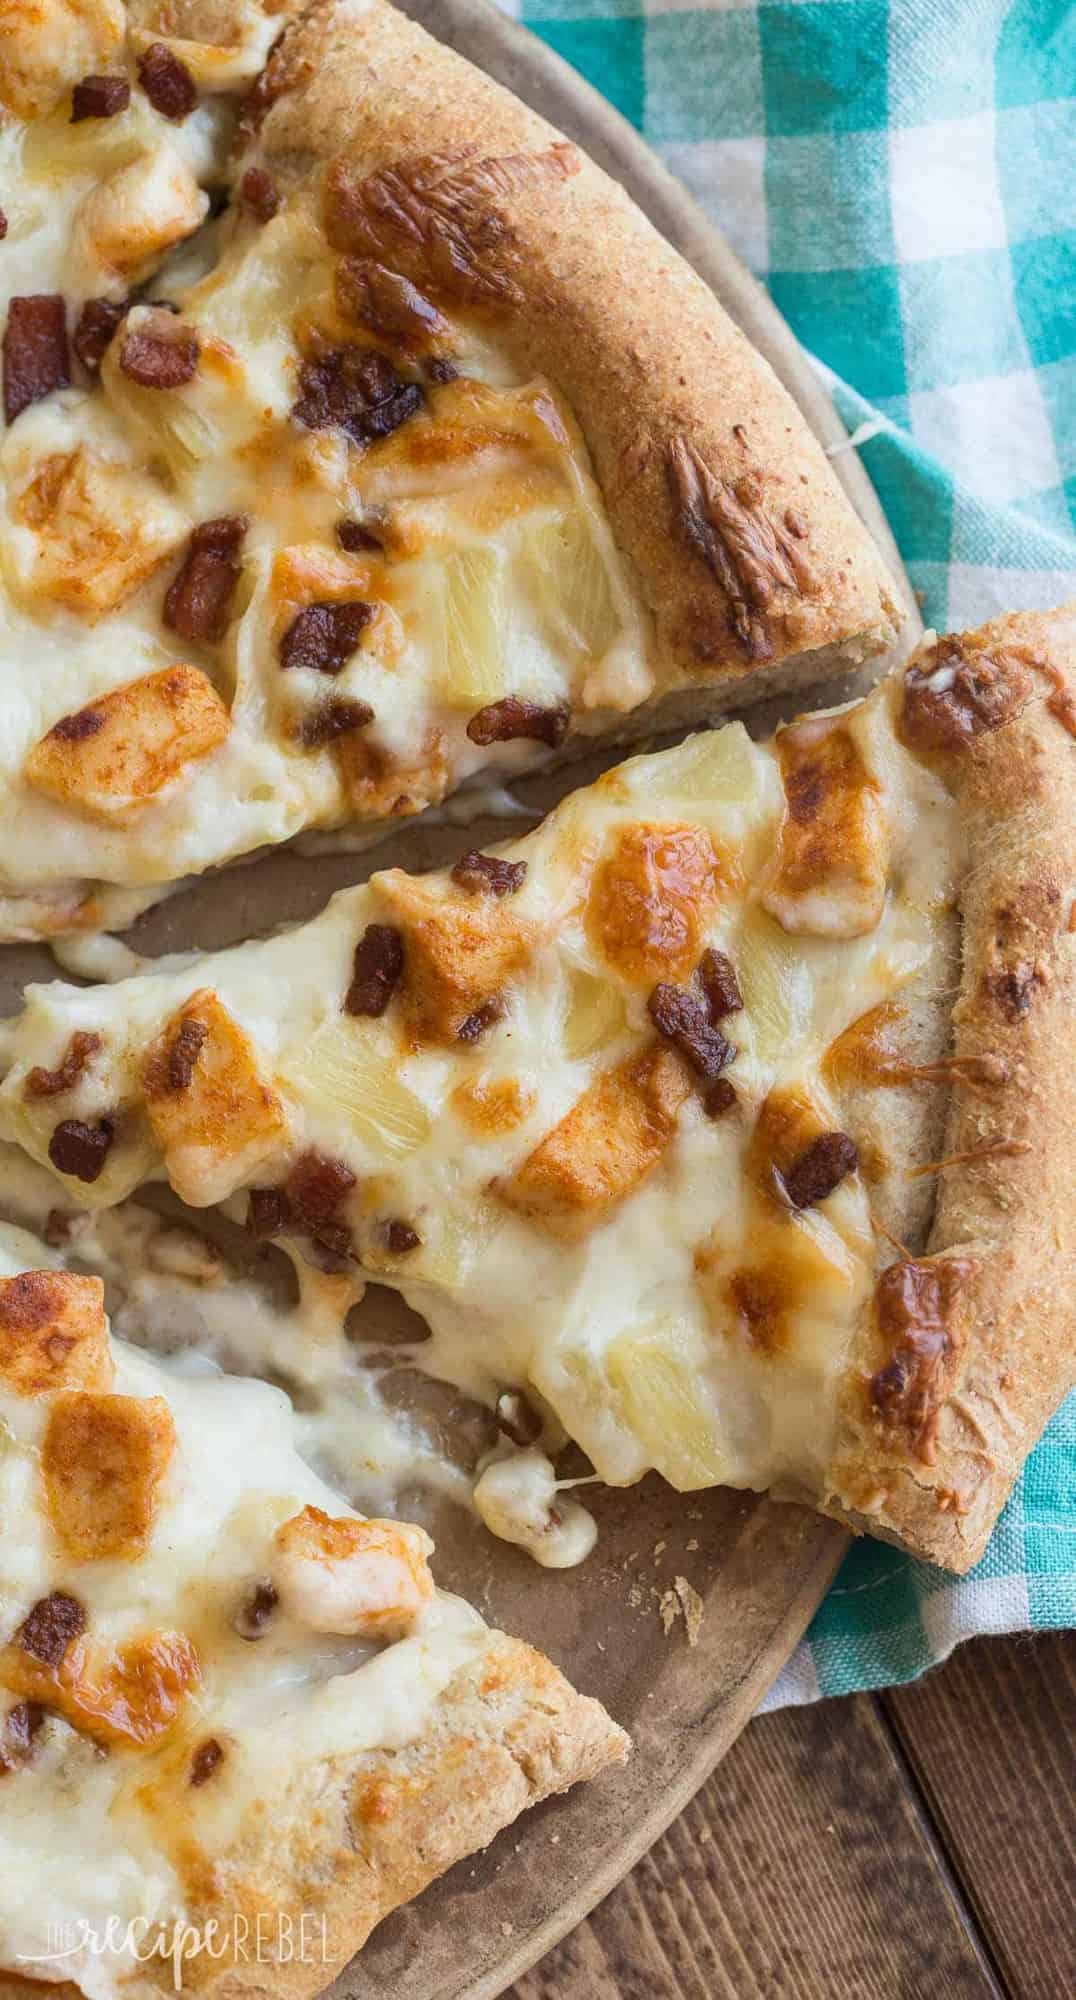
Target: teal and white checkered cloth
{"type": "Point", "coordinates": [900, 173]}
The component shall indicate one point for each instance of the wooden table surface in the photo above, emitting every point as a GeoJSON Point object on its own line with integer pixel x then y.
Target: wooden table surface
{"type": "Point", "coordinates": [916, 1845]}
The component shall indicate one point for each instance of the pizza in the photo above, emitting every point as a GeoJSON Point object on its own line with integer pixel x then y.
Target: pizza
{"type": "Point", "coordinates": [339, 463]}
{"type": "Point", "coordinates": [223, 1691]}
{"type": "Point", "coordinates": [715, 1125]}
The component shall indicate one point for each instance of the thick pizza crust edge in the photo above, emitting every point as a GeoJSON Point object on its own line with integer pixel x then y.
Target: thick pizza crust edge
{"type": "Point", "coordinates": [1013, 1217]}
{"type": "Point", "coordinates": [650, 363]}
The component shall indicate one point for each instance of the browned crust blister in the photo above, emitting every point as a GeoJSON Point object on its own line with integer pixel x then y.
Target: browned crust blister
{"type": "Point", "coordinates": [744, 547]}
{"type": "Point", "coordinates": [1005, 1214]}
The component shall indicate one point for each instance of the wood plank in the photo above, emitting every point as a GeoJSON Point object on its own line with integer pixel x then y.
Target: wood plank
{"type": "Point", "coordinates": [991, 1741]}
{"type": "Point", "coordinates": [803, 1867]}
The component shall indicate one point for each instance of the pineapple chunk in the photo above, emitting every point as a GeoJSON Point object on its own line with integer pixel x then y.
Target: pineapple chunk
{"type": "Point", "coordinates": [213, 1115]}
{"type": "Point", "coordinates": [830, 874]}
{"type": "Point", "coordinates": [572, 588]}
{"type": "Point", "coordinates": [99, 529]}
{"type": "Point", "coordinates": [346, 1074]}
{"type": "Point", "coordinates": [594, 1015]}
{"type": "Point", "coordinates": [472, 669]}
{"type": "Point", "coordinates": [777, 987]}
{"type": "Point", "coordinates": [112, 758]}
{"type": "Point", "coordinates": [666, 1406]}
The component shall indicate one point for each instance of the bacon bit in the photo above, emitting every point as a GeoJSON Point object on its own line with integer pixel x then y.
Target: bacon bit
{"type": "Point", "coordinates": [994, 1149]}
{"type": "Point", "coordinates": [400, 1238]}
{"type": "Point", "coordinates": [21, 1725]}
{"type": "Point", "coordinates": [953, 697]}
{"type": "Point", "coordinates": [505, 721]}
{"type": "Point", "coordinates": [198, 601]}
{"type": "Point", "coordinates": [167, 82]}
{"type": "Point", "coordinates": [518, 1418]}
{"type": "Point", "coordinates": [717, 977]}
{"type": "Point", "coordinates": [99, 97]}
{"type": "Point", "coordinates": [483, 1017]}
{"type": "Point", "coordinates": [3, 225]}
{"type": "Point", "coordinates": [160, 359]}
{"type": "Point", "coordinates": [51, 1082]}
{"type": "Point", "coordinates": [355, 539]}
{"type": "Point", "coordinates": [376, 971]}
{"type": "Point", "coordinates": [50, 1627]}
{"type": "Point", "coordinates": [190, 1039]}
{"type": "Point", "coordinates": [79, 1149]}
{"type": "Point", "coordinates": [324, 636]}
{"type": "Point", "coordinates": [94, 328]}
{"type": "Point", "coordinates": [488, 874]}
{"type": "Point", "coordinates": [681, 1018]}
{"type": "Point", "coordinates": [313, 1192]}
{"type": "Point", "coordinates": [719, 1098]}
{"type": "Point", "coordinates": [268, 1212]}
{"type": "Point", "coordinates": [208, 1758]}
{"type": "Point", "coordinates": [357, 390]}
{"type": "Point", "coordinates": [255, 1612]}
{"type": "Point", "coordinates": [334, 718]}
{"type": "Point", "coordinates": [259, 193]}
{"type": "Point", "coordinates": [35, 351]}
{"type": "Point", "coordinates": [818, 1170]}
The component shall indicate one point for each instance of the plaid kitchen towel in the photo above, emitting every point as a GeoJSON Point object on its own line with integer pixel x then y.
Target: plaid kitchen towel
{"type": "Point", "coordinates": [900, 174]}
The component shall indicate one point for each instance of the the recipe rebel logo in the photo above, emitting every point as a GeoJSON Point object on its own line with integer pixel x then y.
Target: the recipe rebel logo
{"type": "Point", "coordinates": [261, 1937]}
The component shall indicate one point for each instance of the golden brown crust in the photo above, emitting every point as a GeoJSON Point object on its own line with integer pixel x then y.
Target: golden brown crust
{"type": "Point", "coordinates": [744, 547]}
{"type": "Point", "coordinates": [937, 1430]}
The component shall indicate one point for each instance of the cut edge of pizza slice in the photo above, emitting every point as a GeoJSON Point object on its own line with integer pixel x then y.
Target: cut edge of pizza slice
{"type": "Point", "coordinates": [725, 1117]}
{"type": "Point", "coordinates": [223, 1693]}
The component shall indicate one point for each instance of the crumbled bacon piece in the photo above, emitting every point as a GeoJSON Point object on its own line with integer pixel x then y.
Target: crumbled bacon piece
{"type": "Point", "coordinates": [504, 721]}
{"type": "Point", "coordinates": [3, 225]}
{"type": "Point", "coordinates": [483, 1017]}
{"type": "Point", "coordinates": [159, 357]}
{"type": "Point", "coordinates": [337, 717]}
{"type": "Point", "coordinates": [268, 1213]}
{"type": "Point", "coordinates": [376, 972]}
{"type": "Point", "coordinates": [96, 324]}
{"type": "Point", "coordinates": [259, 193]}
{"type": "Point", "coordinates": [314, 1190]}
{"type": "Point", "coordinates": [99, 97]}
{"type": "Point", "coordinates": [183, 1054]}
{"type": "Point", "coordinates": [35, 351]}
{"type": "Point", "coordinates": [324, 636]}
{"type": "Point", "coordinates": [79, 1149]}
{"type": "Point", "coordinates": [355, 538]}
{"type": "Point", "coordinates": [198, 601]}
{"type": "Point", "coordinates": [820, 1168]}
{"type": "Point", "coordinates": [20, 1727]}
{"type": "Point", "coordinates": [718, 1098]}
{"type": "Point", "coordinates": [400, 1238]}
{"type": "Point", "coordinates": [208, 1758]}
{"type": "Point", "coordinates": [683, 1019]}
{"type": "Point", "coordinates": [721, 988]}
{"type": "Point", "coordinates": [356, 390]}
{"type": "Point", "coordinates": [489, 874]}
{"type": "Point", "coordinates": [256, 1610]}
{"type": "Point", "coordinates": [518, 1418]}
{"type": "Point", "coordinates": [50, 1627]}
{"type": "Point", "coordinates": [167, 82]}
{"type": "Point", "coordinates": [50, 1082]}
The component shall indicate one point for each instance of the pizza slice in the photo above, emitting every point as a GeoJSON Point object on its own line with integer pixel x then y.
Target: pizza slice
{"type": "Point", "coordinates": [721, 1124]}
{"type": "Point", "coordinates": [389, 479]}
{"type": "Point", "coordinates": [224, 1695]}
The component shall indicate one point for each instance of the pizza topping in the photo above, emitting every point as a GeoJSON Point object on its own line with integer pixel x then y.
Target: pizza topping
{"type": "Point", "coordinates": [259, 193]}
{"type": "Point", "coordinates": [53, 1333]}
{"type": "Point", "coordinates": [518, 1418]}
{"type": "Point", "coordinates": [683, 1019]}
{"type": "Point", "coordinates": [103, 1459]}
{"type": "Point", "coordinates": [51, 1626]}
{"type": "Point", "coordinates": [514, 717]}
{"type": "Point", "coordinates": [956, 694]}
{"type": "Point", "coordinates": [35, 351]}
{"type": "Point", "coordinates": [830, 874]}
{"type": "Point", "coordinates": [489, 874]}
{"type": "Point", "coordinates": [128, 1696]}
{"type": "Point", "coordinates": [79, 1149]}
{"type": "Point", "coordinates": [386, 303]}
{"type": "Point", "coordinates": [331, 719]}
{"type": "Point", "coordinates": [376, 971]}
{"type": "Point", "coordinates": [99, 97]}
{"type": "Point", "coordinates": [268, 1212]}
{"type": "Point", "coordinates": [355, 538]}
{"type": "Point", "coordinates": [167, 82]}
{"type": "Point", "coordinates": [212, 1114]}
{"type": "Point", "coordinates": [400, 1238]}
{"type": "Point", "coordinates": [253, 1615]}
{"type": "Point", "coordinates": [308, 1203]}
{"type": "Point", "coordinates": [719, 1097]}
{"type": "Point", "coordinates": [819, 1169]}
{"type": "Point", "coordinates": [73, 1064]}
{"type": "Point", "coordinates": [356, 390]}
{"type": "Point", "coordinates": [752, 560]}
{"type": "Point", "coordinates": [915, 1305]}
{"type": "Point", "coordinates": [518, 1499]}
{"type": "Point", "coordinates": [474, 1026]}
{"type": "Point", "coordinates": [187, 1045]}
{"type": "Point", "coordinates": [21, 1725]}
{"type": "Point", "coordinates": [113, 758]}
{"type": "Point", "coordinates": [460, 952]}
{"type": "Point", "coordinates": [716, 975]}
{"type": "Point", "coordinates": [160, 355]}
{"type": "Point", "coordinates": [324, 636]}
{"type": "Point", "coordinates": [198, 602]}
{"type": "Point", "coordinates": [3, 225]}
{"type": "Point", "coordinates": [94, 328]}
{"type": "Point", "coordinates": [208, 1758]}
{"type": "Point", "coordinates": [339, 1574]}
{"type": "Point", "coordinates": [650, 898]}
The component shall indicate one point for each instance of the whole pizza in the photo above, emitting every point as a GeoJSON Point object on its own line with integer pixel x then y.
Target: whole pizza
{"type": "Point", "coordinates": [364, 448]}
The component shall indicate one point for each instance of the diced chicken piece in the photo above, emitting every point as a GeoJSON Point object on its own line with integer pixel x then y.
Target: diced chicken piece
{"type": "Point", "coordinates": [459, 951]}
{"type": "Point", "coordinates": [830, 873]}
{"type": "Point", "coordinates": [213, 1115]}
{"type": "Point", "coordinates": [123, 1696]}
{"type": "Point", "coordinates": [112, 758]}
{"type": "Point", "coordinates": [339, 1574]}
{"type": "Point", "coordinates": [103, 1460]}
{"type": "Point", "coordinates": [650, 898]}
{"type": "Point", "coordinates": [48, 45]}
{"type": "Point", "coordinates": [129, 220]}
{"type": "Point", "coordinates": [100, 529]}
{"type": "Point", "coordinates": [605, 1147]}
{"type": "Point", "coordinates": [53, 1333]}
